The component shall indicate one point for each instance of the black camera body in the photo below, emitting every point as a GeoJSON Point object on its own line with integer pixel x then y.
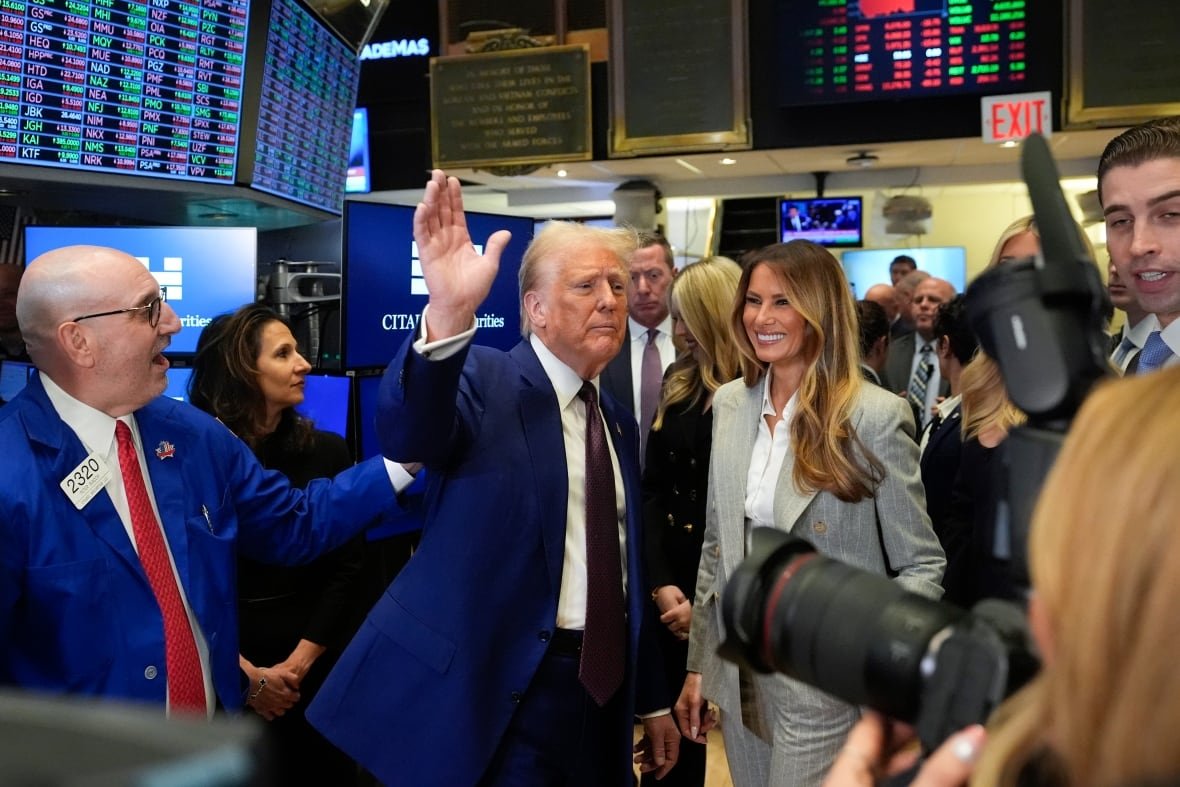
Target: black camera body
{"type": "Point", "coordinates": [863, 638]}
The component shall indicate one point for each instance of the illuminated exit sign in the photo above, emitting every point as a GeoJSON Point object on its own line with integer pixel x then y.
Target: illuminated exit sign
{"type": "Point", "coordinates": [1014, 117]}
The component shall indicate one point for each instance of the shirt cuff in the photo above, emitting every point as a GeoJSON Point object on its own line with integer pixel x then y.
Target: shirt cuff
{"type": "Point", "coordinates": [397, 475]}
{"type": "Point", "coordinates": [654, 713]}
{"type": "Point", "coordinates": [442, 348]}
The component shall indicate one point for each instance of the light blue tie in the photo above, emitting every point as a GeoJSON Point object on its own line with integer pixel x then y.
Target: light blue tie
{"type": "Point", "coordinates": [1154, 353]}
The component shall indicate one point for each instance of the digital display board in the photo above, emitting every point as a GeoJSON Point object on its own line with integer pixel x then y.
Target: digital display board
{"type": "Point", "coordinates": [206, 271]}
{"type": "Point", "coordinates": [858, 50]}
{"type": "Point", "coordinates": [384, 291]}
{"type": "Point", "coordinates": [305, 113]}
{"type": "Point", "coordinates": [146, 88]}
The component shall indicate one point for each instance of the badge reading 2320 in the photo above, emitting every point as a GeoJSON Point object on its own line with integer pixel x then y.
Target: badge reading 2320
{"type": "Point", "coordinates": [82, 474]}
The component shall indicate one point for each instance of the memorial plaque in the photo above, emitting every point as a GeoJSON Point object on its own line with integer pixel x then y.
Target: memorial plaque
{"type": "Point", "coordinates": [1122, 62]}
{"type": "Point", "coordinates": [511, 108]}
{"type": "Point", "coordinates": [678, 77]}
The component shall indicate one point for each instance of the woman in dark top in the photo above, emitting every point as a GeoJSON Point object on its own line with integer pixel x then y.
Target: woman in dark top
{"type": "Point", "coordinates": [677, 465]}
{"type": "Point", "coordinates": [293, 620]}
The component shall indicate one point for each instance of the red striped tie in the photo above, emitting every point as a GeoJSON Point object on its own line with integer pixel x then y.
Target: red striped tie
{"type": "Point", "coordinates": [186, 683]}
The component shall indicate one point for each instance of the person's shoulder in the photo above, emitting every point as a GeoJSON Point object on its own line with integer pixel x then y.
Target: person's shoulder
{"type": "Point", "coordinates": [733, 393]}
{"type": "Point", "coordinates": [876, 405]}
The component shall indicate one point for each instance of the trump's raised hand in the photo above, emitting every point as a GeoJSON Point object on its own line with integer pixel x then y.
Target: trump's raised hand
{"type": "Point", "coordinates": [458, 277]}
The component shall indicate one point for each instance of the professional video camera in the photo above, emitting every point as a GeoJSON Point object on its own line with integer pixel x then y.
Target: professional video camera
{"type": "Point", "coordinates": [860, 636]}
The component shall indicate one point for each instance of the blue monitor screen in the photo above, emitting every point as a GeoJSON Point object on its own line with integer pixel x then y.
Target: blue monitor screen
{"type": "Point", "coordinates": [357, 179]}
{"type": "Point", "coordinates": [871, 266]}
{"type": "Point", "coordinates": [13, 377]}
{"type": "Point", "coordinates": [177, 387]}
{"type": "Point", "coordinates": [828, 221]}
{"type": "Point", "coordinates": [384, 292]}
{"type": "Point", "coordinates": [206, 271]}
{"type": "Point", "coordinates": [366, 414]}
{"type": "Point", "coordinates": [325, 402]}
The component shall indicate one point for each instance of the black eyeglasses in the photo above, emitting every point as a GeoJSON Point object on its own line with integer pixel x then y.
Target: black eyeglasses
{"type": "Point", "coordinates": [152, 308]}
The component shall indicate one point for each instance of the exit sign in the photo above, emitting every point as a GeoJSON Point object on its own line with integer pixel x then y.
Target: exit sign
{"type": "Point", "coordinates": [1014, 117]}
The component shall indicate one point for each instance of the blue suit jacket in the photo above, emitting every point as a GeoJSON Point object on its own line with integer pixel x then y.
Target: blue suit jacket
{"type": "Point", "coordinates": [77, 614]}
{"type": "Point", "coordinates": [423, 694]}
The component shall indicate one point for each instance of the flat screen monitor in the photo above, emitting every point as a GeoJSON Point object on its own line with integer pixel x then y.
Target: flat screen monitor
{"type": "Point", "coordinates": [132, 88]}
{"type": "Point", "coordinates": [828, 221]}
{"type": "Point", "coordinates": [357, 178]}
{"type": "Point", "coordinates": [384, 292]}
{"type": "Point", "coordinates": [206, 271]}
{"type": "Point", "coordinates": [14, 375]}
{"type": "Point", "coordinates": [326, 400]}
{"type": "Point", "coordinates": [309, 84]}
{"type": "Point", "coordinates": [887, 49]}
{"type": "Point", "coordinates": [177, 387]}
{"type": "Point", "coordinates": [867, 267]}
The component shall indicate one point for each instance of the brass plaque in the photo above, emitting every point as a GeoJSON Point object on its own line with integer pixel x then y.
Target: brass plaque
{"type": "Point", "coordinates": [514, 107]}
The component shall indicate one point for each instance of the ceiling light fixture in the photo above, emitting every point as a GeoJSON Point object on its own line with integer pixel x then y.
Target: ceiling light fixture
{"type": "Point", "coordinates": [561, 173]}
{"type": "Point", "coordinates": [862, 158]}
{"type": "Point", "coordinates": [1009, 144]}
{"type": "Point", "coordinates": [725, 162]}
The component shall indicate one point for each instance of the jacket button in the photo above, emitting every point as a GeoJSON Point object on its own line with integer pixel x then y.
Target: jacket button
{"type": "Point", "coordinates": [543, 636]}
{"type": "Point", "coordinates": [150, 672]}
{"type": "Point", "coordinates": [820, 527]}
{"type": "Point", "coordinates": [515, 696]}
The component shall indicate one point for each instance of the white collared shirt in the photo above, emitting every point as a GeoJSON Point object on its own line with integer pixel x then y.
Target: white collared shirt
{"type": "Point", "coordinates": [1138, 334]}
{"type": "Point", "coordinates": [96, 430]}
{"type": "Point", "coordinates": [664, 344]}
{"type": "Point", "coordinates": [766, 460]}
{"type": "Point", "coordinates": [1171, 337]}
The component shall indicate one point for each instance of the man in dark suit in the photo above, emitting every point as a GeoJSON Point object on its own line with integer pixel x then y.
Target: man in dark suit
{"type": "Point", "coordinates": [484, 663]}
{"type": "Point", "coordinates": [123, 512]}
{"type": "Point", "coordinates": [912, 366]}
{"type": "Point", "coordinates": [941, 443]}
{"type": "Point", "coordinates": [634, 375]}
{"type": "Point", "coordinates": [874, 340]}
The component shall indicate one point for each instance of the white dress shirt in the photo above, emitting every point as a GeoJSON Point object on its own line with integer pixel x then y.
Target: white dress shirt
{"type": "Point", "coordinates": [1137, 336]}
{"type": "Point", "coordinates": [1171, 337]}
{"type": "Point", "coordinates": [664, 344]}
{"type": "Point", "coordinates": [766, 460]}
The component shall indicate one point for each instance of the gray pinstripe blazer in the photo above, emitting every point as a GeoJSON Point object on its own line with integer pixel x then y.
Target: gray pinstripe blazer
{"type": "Point", "coordinates": [890, 531]}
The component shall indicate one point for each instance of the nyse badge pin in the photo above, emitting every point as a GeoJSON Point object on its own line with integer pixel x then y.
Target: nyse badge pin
{"type": "Point", "coordinates": [165, 450]}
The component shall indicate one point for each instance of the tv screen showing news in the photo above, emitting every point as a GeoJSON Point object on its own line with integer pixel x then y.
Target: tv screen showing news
{"type": "Point", "coordinates": [204, 271]}
{"type": "Point", "coordinates": [867, 267]}
{"type": "Point", "coordinates": [886, 49]}
{"type": "Point", "coordinates": [356, 180]}
{"type": "Point", "coordinates": [384, 292]}
{"type": "Point", "coordinates": [828, 221]}
{"type": "Point", "coordinates": [126, 88]}
{"type": "Point", "coordinates": [325, 401]}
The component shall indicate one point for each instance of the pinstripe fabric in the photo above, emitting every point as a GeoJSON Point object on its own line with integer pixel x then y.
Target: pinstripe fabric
{"type": "Point", "coordinates": [808, 726]}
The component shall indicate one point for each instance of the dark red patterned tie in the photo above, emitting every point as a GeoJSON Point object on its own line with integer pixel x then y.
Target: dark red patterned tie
{"type": "Point", "coordinates": [604, 644]}
{"type": "Point", "coordinates": [186, 684]}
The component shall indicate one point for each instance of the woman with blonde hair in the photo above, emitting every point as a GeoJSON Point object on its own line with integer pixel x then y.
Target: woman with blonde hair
{"type": "Point", "coordinates": [676, 472]}
{"type": "Point", "coordinates": [1104, 556]}
{"type": "Point", "coordinates": [801, 444]}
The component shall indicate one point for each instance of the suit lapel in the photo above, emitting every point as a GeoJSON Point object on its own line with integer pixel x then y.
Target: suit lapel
{"type": "Point", "coordinates": [541, 422]}
{"type": "Point", "coordinates": [731, 477]}
{"type": "Point", "coordinates": [64, 452]}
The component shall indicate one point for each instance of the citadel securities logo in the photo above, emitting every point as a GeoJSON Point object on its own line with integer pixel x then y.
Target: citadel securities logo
{"type": "Point", "coordinates": [408, 322]}
{"type": "Point", "coordinates": [171, 281]}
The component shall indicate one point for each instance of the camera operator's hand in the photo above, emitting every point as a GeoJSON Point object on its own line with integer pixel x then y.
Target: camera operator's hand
{"type": "Point", "coordinates": [675, 610]}
{"type": "Point", "coordinates": [693, 715]}
{"type": "Point", "coordinates": [877, 749]}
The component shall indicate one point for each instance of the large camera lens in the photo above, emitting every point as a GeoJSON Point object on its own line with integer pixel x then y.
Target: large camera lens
{"type": "Point", "coordinates": [851, 633]}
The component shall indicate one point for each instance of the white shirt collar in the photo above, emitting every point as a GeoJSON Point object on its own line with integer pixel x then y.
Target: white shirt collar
{"type": "Point", "coordinates": [94, 428]}
{"type": "Point", "coordinates": [1139, 333]}
{"type": "Point", "coordinates": [639, 332]}
{"type": "Point", "coordinates": [566, 382]}
{"type": "Point", "coordinates": [948, 405]}
{"type": "Point", "coordinates": [768, 406]}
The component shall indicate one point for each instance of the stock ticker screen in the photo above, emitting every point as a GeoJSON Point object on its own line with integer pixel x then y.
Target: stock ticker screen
{"type": "Point", "coordinates": [148, 88]}
{"type": "Point", "coordinates": [309, 86]}
{"type": "Point", "coordinates": [862, 50]}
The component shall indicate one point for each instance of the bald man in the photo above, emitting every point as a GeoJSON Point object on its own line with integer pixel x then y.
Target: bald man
{"type": "Point", "coordinates": [116, 582]}
{"type": "Point", "coordinates": [889, 299]}
{"type": "Point", "coordinates": [912, 367]}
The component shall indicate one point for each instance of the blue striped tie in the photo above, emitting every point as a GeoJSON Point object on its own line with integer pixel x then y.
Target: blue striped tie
{"type": "Point", "coordinates": [921, 380]}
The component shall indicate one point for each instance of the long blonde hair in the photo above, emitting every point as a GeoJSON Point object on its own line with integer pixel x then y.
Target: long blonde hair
{"type": "Point", "coordinates": [702, 296]}
{"type": "Point", "coordinates": [828, 454]}
{"type": "Point", "coordinates": [985, 405]}
{"type": "Point", "coordinates": [1104, 554]}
